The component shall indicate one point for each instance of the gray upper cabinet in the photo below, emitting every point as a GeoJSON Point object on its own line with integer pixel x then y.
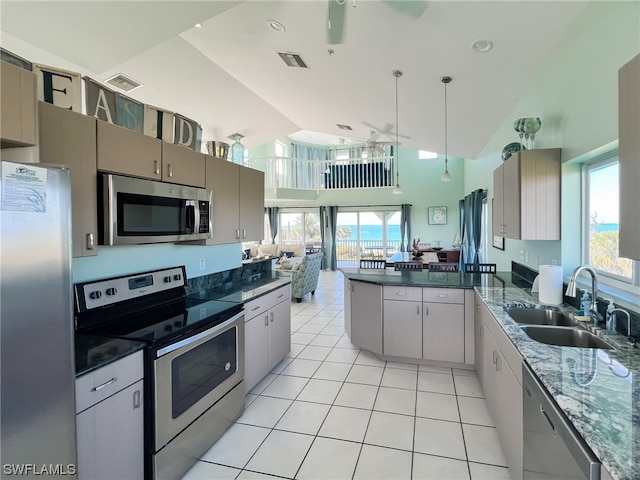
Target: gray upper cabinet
{"type": "Point", "coordinates": [182, 165]}
{"type": "Point", "coordinates": [69, 138]}
{"type": "Point", "coordinates": [18, 114]}
{"type": "Point", "coordinates": [125, 151]}
{"type": "Point", "coordinates": [526, 203]}
{"type": "Point", "coordinates": [238, 202]}
{"type": "Point", "coordinates": [629, 156]}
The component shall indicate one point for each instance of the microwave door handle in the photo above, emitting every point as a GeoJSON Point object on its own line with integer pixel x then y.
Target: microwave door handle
{"type": "Point", "coordinates": [191, 218]}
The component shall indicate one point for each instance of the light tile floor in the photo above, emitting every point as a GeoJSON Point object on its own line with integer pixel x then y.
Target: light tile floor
{"type": "Point", "coordinates": [333, 411]}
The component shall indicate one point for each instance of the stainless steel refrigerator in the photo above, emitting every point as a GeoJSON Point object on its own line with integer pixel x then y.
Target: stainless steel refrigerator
{"type": "Point", "coordinates": [37, 377]}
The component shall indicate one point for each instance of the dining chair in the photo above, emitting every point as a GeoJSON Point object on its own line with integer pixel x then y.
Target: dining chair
{"type": "Point", "coordinates": [407, 266]}
{"type": "Point", "coordinates": [480, 268]}
{"type": "Point", "coordinates": [443, 267]}
{"type": "Point", "coordinates": [370, 263]}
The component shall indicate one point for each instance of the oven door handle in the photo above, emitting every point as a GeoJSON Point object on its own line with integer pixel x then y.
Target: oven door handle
{"type": "Point", "coordinates": [199, 336]}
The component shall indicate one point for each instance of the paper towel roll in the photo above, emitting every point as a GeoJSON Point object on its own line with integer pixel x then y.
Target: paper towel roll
{"type": "Point", "coordinates": [550, 284]}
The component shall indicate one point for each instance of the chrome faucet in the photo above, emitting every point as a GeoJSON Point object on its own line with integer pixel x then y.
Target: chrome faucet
{"type": "Point", "coordinates": [571, 289]}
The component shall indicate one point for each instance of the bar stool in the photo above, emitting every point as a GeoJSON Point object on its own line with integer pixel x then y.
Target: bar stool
{"type": "Point", "coordinates": [480, 268]}
{"type": "Point", "coordinates": [443, 267]}
{"type": "Point", "coordinates": [370, 264]}
{"type": "Point", "coordinates": [407, 266]}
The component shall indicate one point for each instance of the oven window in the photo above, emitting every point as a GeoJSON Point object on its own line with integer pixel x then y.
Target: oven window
{"type": "Point", "coordinates": [200, 370]}
{"type": "Point", "coordinates": [149, 215]}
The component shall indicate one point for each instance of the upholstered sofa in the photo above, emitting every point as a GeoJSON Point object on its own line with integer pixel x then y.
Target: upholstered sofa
{"type": "Point", "coordinates": [304, 279]}
{"type": "Point", "coordinates": [275, 250]}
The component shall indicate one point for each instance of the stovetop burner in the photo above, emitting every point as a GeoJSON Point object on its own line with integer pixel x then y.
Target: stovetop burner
{"type": "Point", "coordinates": [150, 307]}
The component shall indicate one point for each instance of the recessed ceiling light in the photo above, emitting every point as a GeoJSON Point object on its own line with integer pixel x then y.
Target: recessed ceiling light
{"type": "Point", "coordinates": [482, 46]}
{"type": "Point", "coordinates": [198, 25]}
{"type": "Point", "coordinates": [276, 26]}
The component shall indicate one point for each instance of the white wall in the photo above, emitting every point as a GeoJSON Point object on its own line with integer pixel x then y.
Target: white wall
{"type": "Point", "coordinates": [575, 94]}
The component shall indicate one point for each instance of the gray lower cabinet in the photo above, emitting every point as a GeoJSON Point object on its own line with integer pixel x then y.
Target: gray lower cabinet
{"type": "Point", "coordinates": [402, 329]}
{"type": "Point", "coordinates": [110, 421]}
{"type": "Point", "coordinates": [499, 369]}
{"type": "Point", "coordinates": [443, 332]}
{"type": "Point", "coordinates": [366, 316]}
{"type": "Point", "coordinates": [267, 334]}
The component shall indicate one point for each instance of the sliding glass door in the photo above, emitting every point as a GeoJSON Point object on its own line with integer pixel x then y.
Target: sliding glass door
{"type": "Point", "coordinates": [366, 234]}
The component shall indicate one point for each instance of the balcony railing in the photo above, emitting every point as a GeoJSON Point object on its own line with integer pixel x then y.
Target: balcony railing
{"type": "Point", "coordinates": [292, 173]}
{"type": "Point", "coordinates": [349, 252]}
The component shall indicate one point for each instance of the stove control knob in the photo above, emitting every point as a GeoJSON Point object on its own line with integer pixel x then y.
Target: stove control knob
{"type": "Point", "coordinates": [167, 279]}
{"type": "Point", "coordinates": [177, 277]}
{"type": "Point", "coordinates": [95, 295]}
{"type": "Point", "coordinates": [177, 324]}
{"type": "Point", "coordinates": [168, 328]}
{"type": "Point", "coordinates": [111, 291]}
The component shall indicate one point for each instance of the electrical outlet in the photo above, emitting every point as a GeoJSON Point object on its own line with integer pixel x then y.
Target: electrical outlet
{"type": "Point", "coordinates": [522, 255]}
{"type": "Point", "coordinates": [526, 257]}
{"type": "Point", "coordinates": [554, 262]}
{"type": "Point", "coordinates": [203, 264]}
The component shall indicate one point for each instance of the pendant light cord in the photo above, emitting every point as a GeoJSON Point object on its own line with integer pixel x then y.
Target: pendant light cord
{"type": "Point", "coordinates": [397, 74]}
{"type": "Point", "coordinates": [446, 176]}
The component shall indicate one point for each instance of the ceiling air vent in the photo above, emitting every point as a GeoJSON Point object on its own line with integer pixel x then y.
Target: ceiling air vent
{"type": "Point", "coordinates": [123, 82]}
{"type": "Point", "coordinates": [293, 59]}
{"type": "Point", "coordinates": [343, 127]}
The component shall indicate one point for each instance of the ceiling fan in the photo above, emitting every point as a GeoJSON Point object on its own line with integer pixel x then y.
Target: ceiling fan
{"type": "Point", "coordinates": [337, 10]}
{"type": "Point", "coordinates": [387, 131]}
{"type": "Point", "coordinates": [374, 147]}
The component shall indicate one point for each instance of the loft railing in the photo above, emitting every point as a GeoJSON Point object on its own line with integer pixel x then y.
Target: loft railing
{"type": "Point", "coordinates": [292, 173]}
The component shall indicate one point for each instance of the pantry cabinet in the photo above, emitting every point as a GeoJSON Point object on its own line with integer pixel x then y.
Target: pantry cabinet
{"type": "Point", "coordinates": [110, 421]}
{"type": "Point", "coordinates": [267, 334]}
{"type": "Point", "coordinates": [18, 115]}
{"type": "Point", "coordinates": [526, 201]}
{"type": "Point", "coordinates": [629, 157]}
{"type": "Point", "coordinates": [238, 202]}
{"type": "Point", "coordinates": [69, 138]}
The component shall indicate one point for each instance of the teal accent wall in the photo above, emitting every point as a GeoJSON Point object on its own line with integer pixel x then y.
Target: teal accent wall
{"type": "Point", "coordinates": [575, 93]}
{"type": "Point", "coordinates": [123, 260]}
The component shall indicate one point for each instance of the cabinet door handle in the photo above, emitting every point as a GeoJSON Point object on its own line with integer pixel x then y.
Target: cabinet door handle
{"type": "Point", "coordinates": [105, 384]}
{"type": "Point", "coordinates": [255, 308]}
{"type": "Point", "coordinates": [494, 357]}
{"type": "Point", "coordinates": [498, 363]}
{"type": "Point", "coordinates": [136, 399]}
{"type": "Point", "coordinates": [244, 233]}
{"type": "Point", "coordinates": [156, 167]}
{"type": "Point", "coordinates": [553, 427]}
{"type": "Point", "coordinates": [442, 295]}
{"type": "Point", "coordinates": [417, 309]}
{"type": "Point", "coordinates": [170, 170]}
{"type": "Point", "coordinates": [271, 315]}
{"type": "Point", "coordinates": [401, 293]}
{"type": "Point", "coordinates": [281, 295]}
{"type": "Point", "coordinates": [266, 320]}
{"type": "Point", "coordinates": [90, 242]}
{"type": "Point", "coordinates": [237, 233]}
{"type": "Point", "coordinates": [426, 309]}
{"type": "Point", "coordinates": [482, 330]}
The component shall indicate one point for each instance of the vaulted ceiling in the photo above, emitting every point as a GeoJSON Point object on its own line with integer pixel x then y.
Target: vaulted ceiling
{"type": "Point", "coordinates": [227, 74]}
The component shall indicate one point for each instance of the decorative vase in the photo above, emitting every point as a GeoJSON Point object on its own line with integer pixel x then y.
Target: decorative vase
{"type": "Point", "coordinates": [531, 127]}
{"type": "Point", "coordinates": [237, 150]}
{"type": "Point", "coordinates": [510, 149]}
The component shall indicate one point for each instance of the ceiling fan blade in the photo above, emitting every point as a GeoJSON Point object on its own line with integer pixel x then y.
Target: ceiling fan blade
{"type": "Point", "coordinates": [411, 8]}
{"type": "Point", "coordinates": [335, 22]}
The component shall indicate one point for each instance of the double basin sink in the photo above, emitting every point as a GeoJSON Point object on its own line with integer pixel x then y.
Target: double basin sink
{"type": "Point", "coordinates": [554, 328]}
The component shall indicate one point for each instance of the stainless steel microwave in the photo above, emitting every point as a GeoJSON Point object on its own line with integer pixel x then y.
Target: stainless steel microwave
{"type": "Point", "coordinates": [135, 211]}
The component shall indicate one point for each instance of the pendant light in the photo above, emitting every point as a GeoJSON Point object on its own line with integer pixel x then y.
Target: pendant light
{"type": "Point", "coordinates": [397, 190]}
{"type": "Point", "coordinates": [446, 176]}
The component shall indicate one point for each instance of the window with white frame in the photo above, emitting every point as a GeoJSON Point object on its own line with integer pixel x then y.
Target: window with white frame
{"type": "Point", "coordinates": [601, 222]}
{"type": "Point", "coordinates": [425, 155]}
{"type": "Point", "coordinates": [280, 149]}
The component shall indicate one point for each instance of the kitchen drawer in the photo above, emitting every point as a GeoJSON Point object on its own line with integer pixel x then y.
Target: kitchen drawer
{"type": "Point", "coordinates": [402, 293]}
{"type": "Point", "coordinates": [99, 384]}
{"type": "Point", "coordinates": [443, 295]}
{"type": "Point", "coordinates": [256, 307]}
{"type": "Point", "coordinates": [280, 295]}
{"type": "Point", "coordinates": [506, 346]}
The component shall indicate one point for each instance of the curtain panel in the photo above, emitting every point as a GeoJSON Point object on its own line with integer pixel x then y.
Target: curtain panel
{"type": "Point", "coordinates": [272, 215]}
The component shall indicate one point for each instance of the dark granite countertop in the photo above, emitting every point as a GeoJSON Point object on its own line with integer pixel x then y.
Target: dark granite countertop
{"type": "Point", "coordinates": [425, 278]}
{"type": "Point", "coordinates": [93, 351]}
{"type": "Point", "coordinates": [598, 390]}
{"type": "Point", "coordinates": [244, 291]}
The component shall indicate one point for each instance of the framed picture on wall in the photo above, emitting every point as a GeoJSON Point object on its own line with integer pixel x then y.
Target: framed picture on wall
{"type": "Point", "coordinates": [498, 242]}
{"type": "Point", "coordinates": [437, 215]}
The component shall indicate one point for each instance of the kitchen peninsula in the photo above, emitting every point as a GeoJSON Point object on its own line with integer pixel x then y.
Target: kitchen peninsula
{"type": "Point", "coordinates": [427, 317]}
